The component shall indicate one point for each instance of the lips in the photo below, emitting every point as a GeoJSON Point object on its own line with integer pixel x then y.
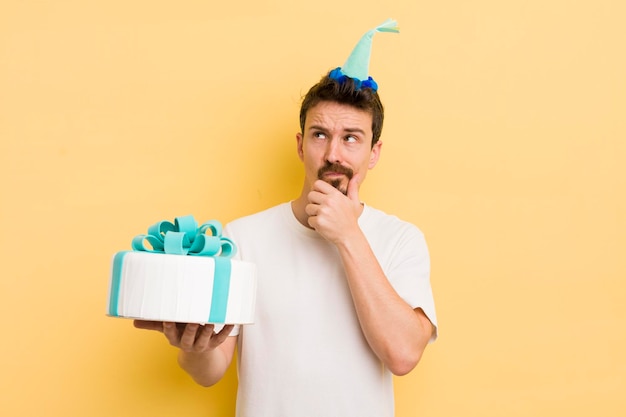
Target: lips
{"type": "Point", "coordinates": [332, 175]}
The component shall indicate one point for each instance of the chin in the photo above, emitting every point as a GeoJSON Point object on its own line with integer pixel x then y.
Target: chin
{"type": "Point", "coordinates": [338, 184]}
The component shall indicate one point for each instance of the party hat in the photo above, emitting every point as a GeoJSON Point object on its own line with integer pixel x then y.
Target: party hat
{"type": "Point", "coordinates": [357, 64]}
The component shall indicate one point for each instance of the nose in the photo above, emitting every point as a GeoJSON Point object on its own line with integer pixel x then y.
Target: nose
{"type": "Point", "coordinates": [333, 151]}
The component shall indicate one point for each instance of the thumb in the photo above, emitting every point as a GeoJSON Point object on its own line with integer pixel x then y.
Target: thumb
{"type": "Point", "coordinates": [353, 188]}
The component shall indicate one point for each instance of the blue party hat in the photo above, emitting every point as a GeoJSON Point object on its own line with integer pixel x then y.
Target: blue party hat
{"type": "Point", "coordinates": [357, 64]}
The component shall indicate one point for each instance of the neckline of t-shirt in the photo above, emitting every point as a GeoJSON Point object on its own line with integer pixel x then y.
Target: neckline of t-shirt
{"type": "Point", "coordinates": [294, 224]}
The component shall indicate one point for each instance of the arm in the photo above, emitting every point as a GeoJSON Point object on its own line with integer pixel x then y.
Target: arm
{"type": "Point", "coordinates": [395, 332]}
{"type": "Point", "coordinates": [204, 354]}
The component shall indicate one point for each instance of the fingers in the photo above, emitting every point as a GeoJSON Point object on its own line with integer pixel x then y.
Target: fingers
{"type": "Point", "coordinates": [318, 197]}
{"type": "Point", "coordinates": [190, 337]}
{"type": "Point", "coordinates": [353, 188]}
{"type": "Point", "coordinates": [312, 209]}
{"type": "Point", "coordinates": [198, 338]}
{"type": "Point", "coordinates": [148, 325]}
{"type": "Point", "coordinates": [171, 332]}
{"type": "Point", "coordinates": [194, 337]}
{"type": "Point", "coordinates": [205, 338]}
{"type": "Point", "coordinates": [323, 194]}
{"type": "Point", "coordinates": [220, 337]}
{"type": "Point", "coordinates": [322, 188]}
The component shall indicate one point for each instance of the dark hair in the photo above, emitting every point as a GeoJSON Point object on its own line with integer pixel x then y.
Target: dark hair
{"type": "Point", "coordinates": [344, 92]}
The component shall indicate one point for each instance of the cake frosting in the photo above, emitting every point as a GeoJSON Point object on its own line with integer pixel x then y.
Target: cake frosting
{"type": "Point", "coordinates": [179, 273]}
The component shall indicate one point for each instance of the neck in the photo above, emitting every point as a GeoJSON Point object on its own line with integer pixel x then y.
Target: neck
{"type": "Point", "coordinates": [298, 207]}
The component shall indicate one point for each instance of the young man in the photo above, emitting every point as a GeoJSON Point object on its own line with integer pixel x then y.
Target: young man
{"type": "Point", "coordinates": [344, 298]}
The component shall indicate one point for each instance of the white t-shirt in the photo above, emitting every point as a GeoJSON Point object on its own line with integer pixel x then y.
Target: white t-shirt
{"type": "Point", "coordinates": [305, 355]}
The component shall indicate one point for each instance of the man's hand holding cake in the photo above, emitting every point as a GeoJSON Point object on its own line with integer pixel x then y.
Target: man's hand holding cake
{"type": "Point", "coordinates": [189, 337]}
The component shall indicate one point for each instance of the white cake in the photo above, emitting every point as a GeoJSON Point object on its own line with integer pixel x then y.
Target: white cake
{"type": "Point", "coordinates": [151, 285]}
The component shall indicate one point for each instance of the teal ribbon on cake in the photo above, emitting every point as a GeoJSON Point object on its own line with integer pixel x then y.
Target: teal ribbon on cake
{"type": "Point", "coordinates": [116, 282]}
{"type": "Point", "coordinates": [184, 237]}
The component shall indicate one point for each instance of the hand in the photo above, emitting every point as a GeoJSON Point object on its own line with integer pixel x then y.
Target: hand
{"type": "Point", "coordinates": [189, 337]}
{"type": "Point", "coordinates": [331, 213]}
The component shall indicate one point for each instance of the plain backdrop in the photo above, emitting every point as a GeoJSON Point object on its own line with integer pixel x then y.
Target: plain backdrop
{"type": "Point", "coordinates": [504, 141]}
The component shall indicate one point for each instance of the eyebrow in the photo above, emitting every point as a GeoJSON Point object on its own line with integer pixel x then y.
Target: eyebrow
{"type": "Point", "coordinates": [349, 129]}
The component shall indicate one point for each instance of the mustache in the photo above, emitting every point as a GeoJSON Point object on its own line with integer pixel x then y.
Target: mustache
{"type": "Point", "coordinates": [335, 168]}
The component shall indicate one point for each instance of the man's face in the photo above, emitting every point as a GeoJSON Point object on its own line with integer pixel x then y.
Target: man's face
{"type": "Point", "coordinates": [336, 144]}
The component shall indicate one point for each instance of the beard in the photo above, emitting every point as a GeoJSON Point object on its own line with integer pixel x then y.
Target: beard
{"type": "Point", "coordinates": [337, 169]}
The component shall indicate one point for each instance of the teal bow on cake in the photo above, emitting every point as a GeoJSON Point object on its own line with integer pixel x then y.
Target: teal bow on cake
{"type": "Point", "coordinates": [184, 237]}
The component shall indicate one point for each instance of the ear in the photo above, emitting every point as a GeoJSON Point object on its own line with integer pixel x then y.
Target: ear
{"type": "Point", "coordinates": [299, 140]}
{"type": "Point", "coordinates": [374, 154]}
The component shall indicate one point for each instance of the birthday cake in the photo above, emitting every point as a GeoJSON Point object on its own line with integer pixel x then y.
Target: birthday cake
{"type": "Point", "coordinates": [180, 272]}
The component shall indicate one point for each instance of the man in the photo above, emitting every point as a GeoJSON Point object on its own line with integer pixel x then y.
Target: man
{"type": "Point", "coordinates": [344, 298]}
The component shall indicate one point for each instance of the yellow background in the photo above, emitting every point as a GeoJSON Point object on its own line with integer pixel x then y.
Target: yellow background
{"type": "Point", "coordinates": [505, 142]}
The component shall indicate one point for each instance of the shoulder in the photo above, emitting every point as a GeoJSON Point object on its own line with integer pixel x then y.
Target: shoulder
{"type": "Point", "coordinates": [380, 223]}
{"type": "Point", "coordinates": [391, 236]}
{"type": "Point", "coordinates": [260, 221]}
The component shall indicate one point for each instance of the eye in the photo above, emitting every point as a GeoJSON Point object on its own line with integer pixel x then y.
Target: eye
{"type": "Point", "coordinates": [351, 139]}
{"type": "Point", "coordinates": [319, 135]}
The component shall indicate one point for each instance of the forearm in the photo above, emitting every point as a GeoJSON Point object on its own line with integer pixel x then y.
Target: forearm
{"type": "Point", "coordinates": [208, 367]}
{"type": "Point", "coordinates": [395, 332]}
